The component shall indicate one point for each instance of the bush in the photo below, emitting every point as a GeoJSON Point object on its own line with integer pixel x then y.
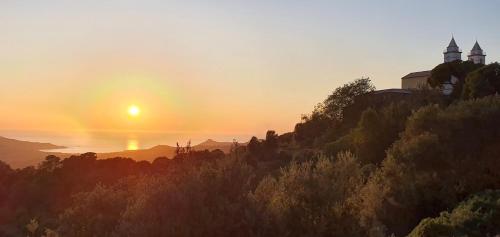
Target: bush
{"type": "Point", "coordinates": [444, 155]}
{"type": "Point", "coordinates": [309, 199]}
{"type": "Point", "coordinates": [374, 133]}
{"type": "Point", "coordinates": [479, 215]}
{"type": "Point", "coordinates": [482, 82]}
{"type": "Point", "coordinates": [206, 201]}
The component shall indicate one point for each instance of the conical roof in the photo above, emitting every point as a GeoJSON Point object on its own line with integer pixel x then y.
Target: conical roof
{"type": "Point", "coordinates": [476, 47]}
{"type": "Point", "coordinates": [452, 43]}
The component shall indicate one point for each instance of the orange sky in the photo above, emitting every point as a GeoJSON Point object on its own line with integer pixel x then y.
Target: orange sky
{"type": "Point", "coordinates": [231, 67]}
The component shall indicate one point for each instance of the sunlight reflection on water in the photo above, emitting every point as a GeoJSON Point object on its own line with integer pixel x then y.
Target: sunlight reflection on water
{"type": "Point", "coordinates": [117, 141]}
{"type": "Point", "coordinates": [132, 145]}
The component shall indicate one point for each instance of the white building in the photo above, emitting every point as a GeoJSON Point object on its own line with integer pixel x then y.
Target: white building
{"type": "Point", "coordinates": [452, 52]}
{"type": "Point", "coordinates": [477, 55]}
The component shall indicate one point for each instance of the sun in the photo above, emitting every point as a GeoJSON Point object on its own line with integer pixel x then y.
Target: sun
{"type": "Point", "coordinates": [134, 111]}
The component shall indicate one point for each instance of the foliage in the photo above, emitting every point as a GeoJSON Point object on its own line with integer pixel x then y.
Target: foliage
{"type": "Point", "coordinates": [311, 127]}
{"type": "Point", "coordinates": [374, 133]}
{"type": "Point", "coordinates": [209, 201]}
{"type": "Point", "coordinates": [309, 199]}
{"type": "Point", "coordinates": [444, 155]}
{"type": "Point", "coordinates": [442, 73]}
{"type": "Point", "coordinates": [45, 191]}
{"type": "Point", "coordinates": [482, 82]}
{"type": "Point", "coordinates": [330, 113]}
{"type": "Point", "coordinates": [33, 228]}
{"type": "Point", "coordinates": [94, 212]}
{"type": "Point", "coordinates": [265, 150]}
{"type": "Point", "coordinates": [479, 215]}
{"type": "Point", "coordinates": [254, 146]}
{"type": "Point", "coordinates": [390, 160]}
{"type": "Point", "coordinates": [271, 142]}
{"type": "Point", "coordinates": [344, 96]}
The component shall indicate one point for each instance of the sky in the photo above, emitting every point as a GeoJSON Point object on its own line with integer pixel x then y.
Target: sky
{"type": "Point", "coordinates": [214, 66]}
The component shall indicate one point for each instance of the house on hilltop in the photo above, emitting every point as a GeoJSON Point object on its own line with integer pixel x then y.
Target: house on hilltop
{"type": "Point", "coordinates": [415, 80]}
{"type": "Point", "coordinates": [418, 80]}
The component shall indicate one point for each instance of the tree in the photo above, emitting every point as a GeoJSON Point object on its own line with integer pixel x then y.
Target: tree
{"type": "Point", "coordinates": [188, 147]}
{"type": "Point", "coordinates": [5, 171]}
{"type": "Point", "coordinates": [254, 146]}
{"type": "Point", "coordinates": [178, 149]}
{"type": "Point", "coordinates": [50, 163]}
{"type": "Point", "coordinates": [205, 201]}
{"type": "Point", "coordinates": [309, 199]}
{"type": "Point", "coordinates": [482, 82]}
{"type": "Point", "coordinates": [374, 133]}
{"type": "Point", "coordinates": [271, 142]}
{"type": "Point", "coordinates": [33, 228]}
{"type": "Point", "coordinates": [329, 114]}
{"type": "Point", "coordinates": [443, 73]}
{"type": "Point", "coordinates": [478, 215]}
{"type": "Point", "coordinates": [312, 127]}
{"type": "Point", "coordinates": [344, 96]}
{"type": "Point", "coordinates": [443, 155]}
{"type": "Point", "coordinates": [94, 213]}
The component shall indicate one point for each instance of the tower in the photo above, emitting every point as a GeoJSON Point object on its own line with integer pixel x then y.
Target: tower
{"type": "Point", "coordinates": [477, 55]}
{"type": "Point", "coordinates": [452, 52]}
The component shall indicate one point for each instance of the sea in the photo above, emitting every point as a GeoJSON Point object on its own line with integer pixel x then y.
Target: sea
{"type": "Point", "coordinates": [112, 141]}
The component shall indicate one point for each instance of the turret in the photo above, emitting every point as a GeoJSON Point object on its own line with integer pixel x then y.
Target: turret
{"type": "Point", "coordinates": [477, 55]}
{"type": "Point", "coordinates": [452, 52]}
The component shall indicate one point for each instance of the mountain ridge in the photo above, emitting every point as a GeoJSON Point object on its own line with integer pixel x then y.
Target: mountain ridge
{"type": "Point", "coordinates": [31, 152]}
{"type": "Point", "coordinates": [168, 151]}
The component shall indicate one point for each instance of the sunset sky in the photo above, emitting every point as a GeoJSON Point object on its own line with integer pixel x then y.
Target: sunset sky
{"type": "Point", "coordinates": [214, 66]}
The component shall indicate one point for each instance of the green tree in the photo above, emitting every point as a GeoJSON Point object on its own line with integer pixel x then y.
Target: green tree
{"type": "Point", "coordinates": [210, 200]}
{"type": "Point", "coordinates": [50, 163]}
{"type": "Point", "coordinates": [312, 127]}
{"type": "Point", "coordinates": [254, 146]}
{"type": "Point", "coordinates": [309, 199]}
{"type": "Point", "coordinates": [329, 114]}
{"type": "Point", "coordinates": [271, 142]}
{"type": "Point", "coordinates": [444, 155]}
{"type": "Point", "coordinates": [482, 82]}
{"type": "Point", "coordinates": [344, 96]}
{"type": "Point", "coordinates": [443, 73]}
{"type": "Point", "coordinates": [374, 133]}
{"type": "Point", "coordinates": [478, 215]}
{"type": "Point", "coordinates": [94, 213]}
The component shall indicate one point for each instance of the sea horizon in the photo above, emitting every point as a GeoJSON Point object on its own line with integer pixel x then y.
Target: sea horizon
{"type": "Point", "coordinates": [115, 141]}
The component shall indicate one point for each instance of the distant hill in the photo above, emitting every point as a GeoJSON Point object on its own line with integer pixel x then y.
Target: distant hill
{"type": "Point", "coordinates": [213, 145]}
{"type": "Point", "coordinates": [20, 154]}
{"type": "Point", "coordinates": [165, 151]}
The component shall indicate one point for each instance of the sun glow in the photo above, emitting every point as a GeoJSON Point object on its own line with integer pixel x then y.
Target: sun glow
{"type": "Point", "coordinates": [134, 111]}
{"type": "Point", "coordinates": [132, 145]}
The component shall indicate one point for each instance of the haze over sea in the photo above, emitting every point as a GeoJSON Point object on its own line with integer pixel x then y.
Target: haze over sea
{"type": "Point", "coordinates": [110, 141]}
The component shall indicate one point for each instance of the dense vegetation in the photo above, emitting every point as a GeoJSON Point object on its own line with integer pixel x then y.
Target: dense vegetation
{"type": "Point", "coordinates": [363, 163]}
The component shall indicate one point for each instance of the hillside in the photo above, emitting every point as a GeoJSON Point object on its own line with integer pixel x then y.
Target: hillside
{"type": "Point", "coordinates": [19, 154]}
{"type": "Point", "coordinates": [414, 164]}
{"type": "Point", "coordinates": [23, 153]}
{"type": "Point", "coordinates": [165, 151]}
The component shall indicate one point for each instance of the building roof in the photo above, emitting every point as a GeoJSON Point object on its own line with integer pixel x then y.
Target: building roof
{"type": "Point", "coordinates": [417, 74]}
{"type": "Point", "coordinates": [394, 90]}
{"type": "Point", "coordinates": [476, 47]}
{"type": "Point", "coordinates": [452, 43]}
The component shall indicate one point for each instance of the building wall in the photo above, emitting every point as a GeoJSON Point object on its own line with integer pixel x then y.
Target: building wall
{"type": "Point", "coordinates": [477, 59]}
{"type": "Point", "coordinates": [452, 56]}
{"type": "Point", "coordinates": [414, 83]}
